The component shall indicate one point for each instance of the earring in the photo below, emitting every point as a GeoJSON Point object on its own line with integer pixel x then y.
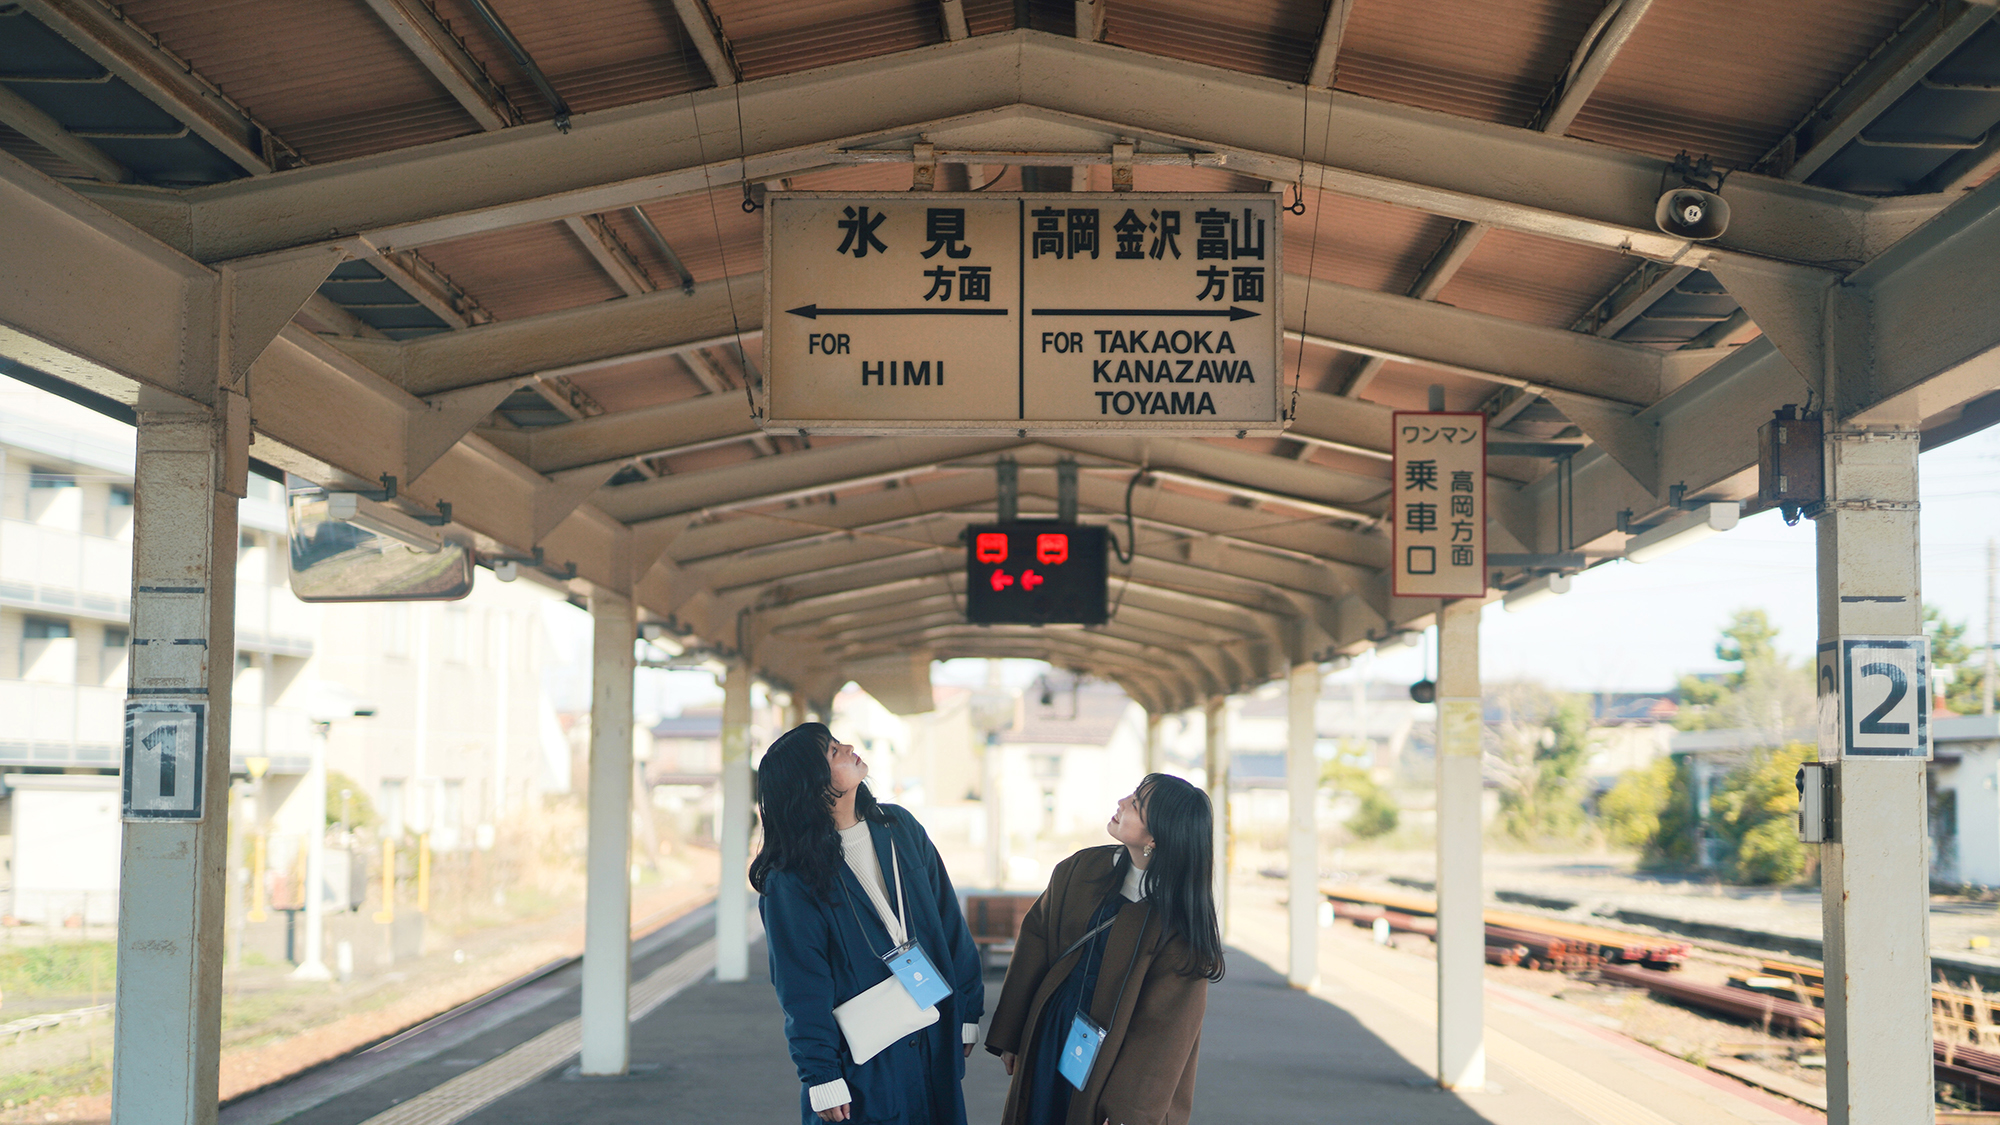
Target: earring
{"type": "Point", "coordinates": [1149, 851]}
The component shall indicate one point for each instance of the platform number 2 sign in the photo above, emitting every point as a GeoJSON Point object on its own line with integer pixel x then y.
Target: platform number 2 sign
{"type": "Point", "coordinates": [165, 743]}
{"type": "Point", "coordinates": [1885, 698]}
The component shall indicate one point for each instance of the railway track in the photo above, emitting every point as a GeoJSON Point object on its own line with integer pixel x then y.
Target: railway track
{"type": "Point", "coordinates": [1783, 996]}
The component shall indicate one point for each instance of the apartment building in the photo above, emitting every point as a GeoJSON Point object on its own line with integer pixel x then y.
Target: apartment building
{"type": "Point", "coordinates": [460, 727]}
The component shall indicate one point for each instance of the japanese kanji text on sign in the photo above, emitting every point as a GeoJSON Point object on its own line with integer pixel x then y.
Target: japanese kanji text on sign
{"type": "Point", "coordinates": [1438, 505]}
{"type": "Point", "coordinates": [1015, 313]}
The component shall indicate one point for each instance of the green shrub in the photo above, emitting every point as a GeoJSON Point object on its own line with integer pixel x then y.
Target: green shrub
{"type": "Point", "coordinates": [62, 968]}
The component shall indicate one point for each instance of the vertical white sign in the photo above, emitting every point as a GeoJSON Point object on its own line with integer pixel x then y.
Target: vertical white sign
{"type": "Point", "coordinates": [1885, 698]}
{"type": "Point", "coordinates": [166, 744]}
{"type": "Point", "coordinates": [1439, 505]}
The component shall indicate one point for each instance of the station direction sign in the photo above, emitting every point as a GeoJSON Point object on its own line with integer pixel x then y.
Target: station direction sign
{"type": "Point", "coordinates": [1022, 313]}
{"type": "Point", "coordinates": [1438, 509]}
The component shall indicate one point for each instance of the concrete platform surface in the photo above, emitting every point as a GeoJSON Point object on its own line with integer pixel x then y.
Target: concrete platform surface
{"type": "Point", "coordinates": [1355, 1049]}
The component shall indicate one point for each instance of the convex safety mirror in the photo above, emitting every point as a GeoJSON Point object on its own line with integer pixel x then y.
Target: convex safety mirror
{"type": "Point", "coordinates": [347, 548]}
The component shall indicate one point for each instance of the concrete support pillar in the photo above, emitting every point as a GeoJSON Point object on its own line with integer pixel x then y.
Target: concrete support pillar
{"type": "Point", "coordinates": [992, 799]}
{"type": "Point", "coordinates": [1875, 875]}
{"type": "Point", "coordinates": [1302, 783]}
{"type": "Point", "coordinates": [1461, 925]}
{"type": "Point", "coordinates": [1155, 752]}
{"type": "Point", "coordinates": [1216, 715]}
{"type": "Point", "coordinates": [189, 473]}
{"type": "Point", "coordinates": [607, 933]}
{"type": "Point", "coordinates": [732, 897]}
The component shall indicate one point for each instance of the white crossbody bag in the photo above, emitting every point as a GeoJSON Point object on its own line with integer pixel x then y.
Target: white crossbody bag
{"type": "Point", "coordinates": [883, 1015]}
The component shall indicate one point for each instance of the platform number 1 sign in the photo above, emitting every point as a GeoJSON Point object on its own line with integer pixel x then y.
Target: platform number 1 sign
{"type": "Point", "coordinates": [166, 742]}
{"type": "Point", "coordinates": [1885, 698]}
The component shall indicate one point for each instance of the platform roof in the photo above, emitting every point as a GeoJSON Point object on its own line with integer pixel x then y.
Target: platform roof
{"type": "Point", "coordinates": [505, 255]}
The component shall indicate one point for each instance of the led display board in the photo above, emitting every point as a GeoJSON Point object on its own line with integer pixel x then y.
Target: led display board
{"type": "Point", "coordinates": [1036, 572]}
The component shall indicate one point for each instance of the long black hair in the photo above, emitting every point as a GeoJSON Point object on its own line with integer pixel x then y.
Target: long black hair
{"type": "Point", "coordinates": [795, 799]}
{"type": "Point", "coordinates": [1180, 875]}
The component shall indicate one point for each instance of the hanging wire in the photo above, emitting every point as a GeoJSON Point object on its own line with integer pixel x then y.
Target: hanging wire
{"type": "Point", "coordinates": [1131, 548]}
{"type": "Point", "coordinates": [715, 219]}
{"type": "Point", "coordinates": [1312, 256]}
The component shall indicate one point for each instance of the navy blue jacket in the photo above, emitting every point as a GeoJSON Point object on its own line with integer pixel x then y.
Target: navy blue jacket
{"type": "Point", "coordinates": [824, 954]}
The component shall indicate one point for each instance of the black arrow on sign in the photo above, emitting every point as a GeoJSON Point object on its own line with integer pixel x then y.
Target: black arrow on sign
{"type": "Point", "coordinates": [814, 312]}
{"type": "Point", "coordinates": [1232, 312]}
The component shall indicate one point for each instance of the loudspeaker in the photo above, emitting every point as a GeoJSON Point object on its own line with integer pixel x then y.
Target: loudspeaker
{"type": "Point", "coordinates": [1691, 213]}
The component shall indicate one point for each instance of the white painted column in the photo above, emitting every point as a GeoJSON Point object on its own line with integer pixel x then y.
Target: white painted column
{"type": "Point", "coordinates": [1155, 752]}
{"type": "Point", "coordinates": [607, 927]}
{"type": "Point", "coordinates": [503, 705]}
{"type": "Point", "coordinates": [1216, 714]}
{"type": "Point", "coordinates": [1302, 783]}
{"type": "Point", "coordinates": [732, 896]}
{"type": "Point", "coordinates": [1461, 924]}
{"type": "Point", "coordinates": [312, 791]}
{"type": "Point", "coordinates": [1875, 877]}
{"type": "Point", "coordinates": [993, 802]}
{"type": "Point", "coordinates": [189, 473]}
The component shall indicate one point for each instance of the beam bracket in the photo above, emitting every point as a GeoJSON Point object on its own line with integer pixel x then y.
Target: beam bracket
{"type": "Point", "coordinates": [1121, 166]}
{"type": "Point", "coordinates": [1007, 495]}
{"type": "Point", "coordinates": [1066, 490]}
{"type": "Point", "coordinates": [923, 166]}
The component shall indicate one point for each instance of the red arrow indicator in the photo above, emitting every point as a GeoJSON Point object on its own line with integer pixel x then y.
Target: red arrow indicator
{"type": "Point", "coordinates": [1002, 580]}
{"type": "Point", "coordinates": [1030, 580]}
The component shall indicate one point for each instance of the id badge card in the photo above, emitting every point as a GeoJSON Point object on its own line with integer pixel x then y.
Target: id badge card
{"type": "Point", "coordinates": [1080, 1050]}
{"type": "Point", "coordinates": [920, 978]}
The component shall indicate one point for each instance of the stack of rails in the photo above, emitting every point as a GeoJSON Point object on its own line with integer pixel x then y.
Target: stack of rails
{"type": "Point", "coordinates": [1769, 1011]}
{"type": "Point", "coordinates": [1552, 944]}
{"type": "Point", "coordinates": [1972, 1070]}
{"type": "Point", "coordinates": [1963, 1017]}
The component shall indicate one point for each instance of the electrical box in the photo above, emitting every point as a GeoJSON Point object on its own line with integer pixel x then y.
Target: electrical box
{"type": "Point", "coordinates": [1036, 572]}
{"type": "Point", "coordinates": [1791, 464]}
{"type": "Point", "coordinates": [1815, 782]}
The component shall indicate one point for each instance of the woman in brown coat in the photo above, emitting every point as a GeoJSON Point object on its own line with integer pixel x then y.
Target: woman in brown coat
{"type": "Point", "coordinates": [1117, 953]}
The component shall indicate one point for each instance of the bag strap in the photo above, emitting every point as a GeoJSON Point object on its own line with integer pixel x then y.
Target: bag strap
{"type": "Point", "coordinates": [902, 900]}
{"type": "Point", "coordinates": [1138, 943]}
{"type": "Point", "coordinates": [1094, 931]}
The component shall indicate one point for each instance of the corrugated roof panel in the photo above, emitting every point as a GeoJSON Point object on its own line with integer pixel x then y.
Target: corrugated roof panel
{"type": "Point", "coordinates": [1730, 77]}
{"type": "Point", "coordinates": [37, 157]}
{"type": "Point", "coordinates": [709, 233]}
{"type": "Point", "coordinates": [781, 36]}
{"type": "Point", "coordinates": [984, 17]}
{"type": "Point", "coordinates": [597, 55]}
{"type": "Point", "coordinates": [1537, 280]}
{"type": "Point", "coordinates": [327, 77]}
{"type": "Point", "coordinates": [1274, 38]}
{"type": "Point", "coordinates": [524, 270]}
{"type": "Point", "coordinates": [637, 383]}
{"type": "Point", "coordinates": [1494, 60]}
{"type": "Point", "coordinates": [1361, 243]}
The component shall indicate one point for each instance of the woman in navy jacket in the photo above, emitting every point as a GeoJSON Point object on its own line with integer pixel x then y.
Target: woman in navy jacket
{"type": "Point", "coordinates": [827, 877]}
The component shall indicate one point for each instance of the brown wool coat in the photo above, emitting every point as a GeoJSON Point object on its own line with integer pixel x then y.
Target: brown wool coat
{"type": "Point", "coordinates": [1145, 1067]}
